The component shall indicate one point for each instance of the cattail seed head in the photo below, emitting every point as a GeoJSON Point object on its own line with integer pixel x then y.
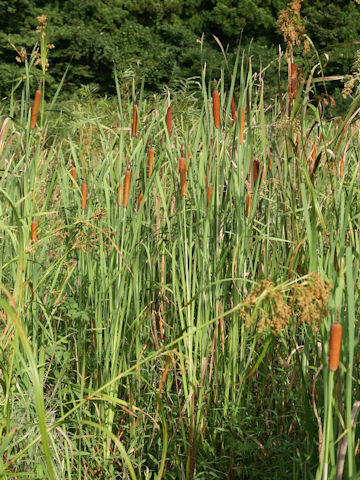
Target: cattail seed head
{"type": "Point", "coordinates": [127, 187]}
{"type": "Point", "coordinates": [134, 128]}
{"type": "Point", "coordinates": [182, 170]}
{"type": "Point", "coordinates": [168, 119]}
{"type": "Point", "coordinates": [140, 198]}
{"type": "Point", "coordinates": [35, 108]}
{"type": "Point", "coordinates": [248, 204]}
{"type": "Point", "coordinates": [293, 81]}
{"type": "Point", "coordinates": [335, 346]}
{"type": "Point", "coordinates": [256, 166]}
{"type": "Point", "coordinates": [150, 160]}
{"type": "Point", "coordinates": [233, 110]}
{"type": "Point", "coordinates": [208, 197]}
{"type": "Point", "coordinates": [216, 107]}
{"type": "Point", "coordinates": [73, 174]}
{"type": "Point", "coordinates": [33, 231]}
{"type": "Point", "coordinates": [83, 195]}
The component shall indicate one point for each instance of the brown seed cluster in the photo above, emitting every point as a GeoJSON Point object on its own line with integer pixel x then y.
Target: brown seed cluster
{"type": "Point", "coordinates": [270, 308]}
{"type": "Point", "coordinates": [272, 313]}
{"type": "Point", "coordinates": [310, 300]}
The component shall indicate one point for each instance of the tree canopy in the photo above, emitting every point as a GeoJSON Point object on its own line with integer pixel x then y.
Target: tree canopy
{"type": "Point", "coordinates": [160, 41]}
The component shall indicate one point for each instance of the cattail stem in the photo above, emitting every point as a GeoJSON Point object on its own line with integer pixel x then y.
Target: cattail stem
{"type": "Point", "coordinates": [83, 195]}
{"type": "Point", "coordinates": [35, 107]}
{"type": "Point", "coordinates": [134, 128]}
{"type": "Point", "coordinates": [33, 231]}
{"type": "Point", "coordinates": [216, 107]}
{"type": "Point", "coordinates": [335, 346]}
{"type": "Point", "coordinates": [127, 187]}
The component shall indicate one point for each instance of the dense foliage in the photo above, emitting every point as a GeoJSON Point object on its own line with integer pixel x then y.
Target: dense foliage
{"type": "Point", "coordinates": [160, 41]}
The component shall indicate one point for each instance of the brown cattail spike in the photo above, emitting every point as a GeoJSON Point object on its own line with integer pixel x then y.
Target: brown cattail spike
{"type": "Point", "coordinates": [150, 160]}
{"type": "Point", "coordinates": [242, 124]}
{"type": "Point", "coordinates": [208, 197]}
{"type": "Point", "coordinates": [270, 159]}
{"type": "Point", "coordinates": [140, 198]}
{"type": "Point", "coordinates": [248, 204]}
{"type": "Point", "coordinates": [233, 110]}
{"type": "Point", "coordinates": [335, 346]}
{"type": "Point", "coordinates": [216, 107]}
{"type": "Point", "coordinates": [256, 166]}
{"type": "Point", "coordinates": [33, 231]}
{"type": "Point", "coordinates": [293, 81]}
{"type": "Point", "coordinates": [134, 128]}
{"type": "Point", "coordinates": [35, 108]}
{"type": "Point", "coordinates": [73, 174]}
{"type": "Point", "coordinates": [182, 170]}
{"type": "Point", "coordinates": [127, 187]}
{"type": "Point", "coordinates": [168, 120]}
{"type": "Point", "coordinates": [83, 195]}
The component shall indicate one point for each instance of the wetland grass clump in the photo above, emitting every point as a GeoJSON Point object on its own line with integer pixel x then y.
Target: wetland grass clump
{"type": "Point", "coordinates": [195, 332]}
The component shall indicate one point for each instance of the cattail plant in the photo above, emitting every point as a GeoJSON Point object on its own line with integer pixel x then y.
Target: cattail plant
{"type": "Point", "coordinates": [73, 175]}
{"type": "Point", "coordinates": [119, 195]}
{"type": "Point", "coordinates": [35, 107]}
{"type": "Point", "coordinates": [293, 81]}
{"type": "Point", "coordinates": [83, 195]}
{"type": "Point", "coordinates": [233, 110]}
{"type": "Point", "coordinates": [33, 231]}
{"type": "Point", "coordinates": [335, 346]}
{"type": "Point", "coordinates": [140, 199]}
{"type": "Point", "coordinates": [134, 128]}
{"type": "Point", "coordinates": [216, 105]}
{"type": "Point", "coordinates": [182, 170]}
{"type": "Point", "coordinates": [150, 161]}
{"type": "Point", "coordinates": [270, 159]}
{"type": "Point", "coordinates": [168, 119]}
{"type": "Point", "coordinates": [256, 166]}
{"type": "Point", "coordinates": [242, 124]}
{"type": "Point", "coordinates": [248, 204]}
{"type": "Point", "coordinates": [127, 187]}
{"type": "Point", "coordinates": [208, 197]}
